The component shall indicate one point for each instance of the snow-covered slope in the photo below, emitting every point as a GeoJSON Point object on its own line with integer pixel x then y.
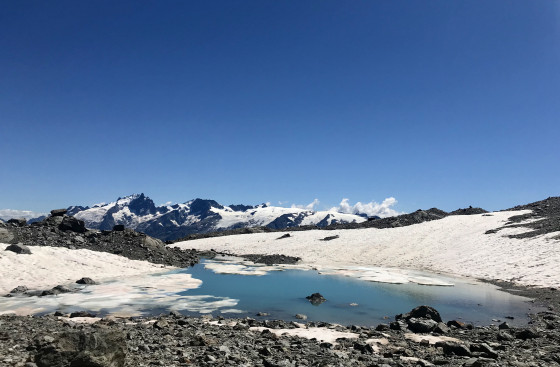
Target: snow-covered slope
{"type": "Point", "coordinates": [465, 245]}
{"type": "Point", "coordinates": [198, 216]}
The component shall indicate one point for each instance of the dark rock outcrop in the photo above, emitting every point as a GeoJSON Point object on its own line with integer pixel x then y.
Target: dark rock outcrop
{"type": "Point", "coordinates": [272, 259]}
{"type": "Point", "coordinates": [85, 280]}
{"type": "Point", "coordinates": [19, 248]}
{"type": "Point", "coordinates": [19, 222]}
{"type": "Point", "coordinates": [72, 224]}
{"type": "Point", "coordinates": [58, 212]}
{"type": "Point", "coordinates": [66, 231]}
{"type": "Point", "coordinates": [421, 312]}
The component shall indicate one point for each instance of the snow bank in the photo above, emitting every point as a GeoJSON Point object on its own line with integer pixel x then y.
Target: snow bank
{"type": "Point", "coordinates": [456, 245]}
{"type": "Point", "coordinates": [47, 267]}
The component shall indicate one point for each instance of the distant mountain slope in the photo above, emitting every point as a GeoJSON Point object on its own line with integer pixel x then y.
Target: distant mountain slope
{"type": "Point", "coordinates": [199, 216]}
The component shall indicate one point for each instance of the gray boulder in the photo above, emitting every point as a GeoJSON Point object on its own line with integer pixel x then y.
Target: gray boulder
{"type": "Point", "coordinates": [19, 248]}
{"type": "Point", "coordinates": [102, 348]}
{"type": "Point", "coordinates": [72, 224]}
{"type": "Point", "coordinates": [453, 348]}
{"type": "Point", "coordinates": [58, 212]}
{"type": "Point", "coordinates": [421, 312]}
{"type": "Point", "coordinates": [56, 290]}
{"type": "Point", "coordinates": [421, 325]}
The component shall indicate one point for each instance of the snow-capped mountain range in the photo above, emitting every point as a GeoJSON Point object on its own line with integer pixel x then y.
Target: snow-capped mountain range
{"type": "Point", "coordinates": [170, 222]}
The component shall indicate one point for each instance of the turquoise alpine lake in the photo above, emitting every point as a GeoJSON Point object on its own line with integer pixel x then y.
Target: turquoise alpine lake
{"type": "Point", "coordinates": [281, 295]}
{"type": "Point", "coordinates": [214, 287]}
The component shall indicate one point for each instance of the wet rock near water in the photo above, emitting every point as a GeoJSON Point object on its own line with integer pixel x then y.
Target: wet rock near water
{"type": "Point", "coordinates": [61, 230]}
{"type": "Point", "coordinates": [85, 280]}
{"type": "Point", "coordinates": [272, 259]}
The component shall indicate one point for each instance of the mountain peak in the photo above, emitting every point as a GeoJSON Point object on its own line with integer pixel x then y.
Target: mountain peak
{"type": "Point", "coordinates": [169, 222]}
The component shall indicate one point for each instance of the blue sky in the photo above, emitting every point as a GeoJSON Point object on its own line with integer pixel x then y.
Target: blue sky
{"type": "Point", "coordinates": [435, 103]}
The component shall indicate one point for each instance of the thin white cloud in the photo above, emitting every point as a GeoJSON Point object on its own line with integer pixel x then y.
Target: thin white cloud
{"type": "Point", "coordinates": [311, 206]}
{"type": "Point", "coordinates": [6, 214]}
{"type": "Point", "coordinates": [371, 209]}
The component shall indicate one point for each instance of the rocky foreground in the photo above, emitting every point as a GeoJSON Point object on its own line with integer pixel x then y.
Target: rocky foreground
{"type": "Point", "coordinates": [418, 338]}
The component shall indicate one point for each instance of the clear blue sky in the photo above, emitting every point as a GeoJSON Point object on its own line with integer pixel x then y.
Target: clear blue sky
{"type": "Point", "coordinates": [436, 103]}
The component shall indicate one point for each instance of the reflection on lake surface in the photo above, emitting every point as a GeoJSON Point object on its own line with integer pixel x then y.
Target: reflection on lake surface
{"type": "Point", "coordinates": [355, 295]}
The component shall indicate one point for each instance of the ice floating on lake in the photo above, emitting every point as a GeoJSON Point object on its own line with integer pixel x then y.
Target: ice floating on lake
{"type": "Point", "coordinates": [237, 267]}
{"type": "Point", "coordinates": [386, 275]}
{"type": "Point", "coordinates": [233, 265]}
{"type": "Point", "coordinates": [128, 297]}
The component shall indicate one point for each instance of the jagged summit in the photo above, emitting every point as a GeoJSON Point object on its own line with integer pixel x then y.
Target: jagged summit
{"type": "Point", "coordinates": [169, 222]}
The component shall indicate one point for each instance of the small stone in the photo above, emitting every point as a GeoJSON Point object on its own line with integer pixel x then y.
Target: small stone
{"type": "Point", "coordinates": [85, 280]}
{"type": "Point", "coordinates": [19, 289]}
{"type": "Point", "coordinates": [161, 324]}
{"type": "Point", "coordinates": [454, 348]}
{"type": "Point", "coordinates": [485, 349]}
{"type": "Point", "coordinates": [441, 328]}
{"type": "Point", "coordinates": [504, 336]}
{"type": "Point", "coordinates": [382, 327]}
{"type": "Point", "coordinates": [503, 325]}
{"type": "Point", "coordinates": [525, 334]}
{"type": "Point", "coordinates": [301, 316]}
{"type": "Point", "coordinates": [81, 314]}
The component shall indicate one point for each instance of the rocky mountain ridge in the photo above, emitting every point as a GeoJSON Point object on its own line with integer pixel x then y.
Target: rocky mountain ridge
{"type": "Point", "coordinates": [169, 222]}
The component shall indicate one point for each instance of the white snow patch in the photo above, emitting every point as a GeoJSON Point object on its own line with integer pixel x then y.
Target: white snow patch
{"type": "Point", "coordinates": [47, 267]}
{"type": "Point", "coordinates": [319, 333]}
{"type": "Point", "coordinates": [432, 339]}
{"type": "Point", "coordinates": [456, 245]}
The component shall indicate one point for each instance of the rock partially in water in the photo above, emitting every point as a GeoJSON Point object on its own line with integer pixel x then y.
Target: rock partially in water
{"type": "Point", "coordinates": [316, 299]}
{"type": "Point", "coordinates": [421, 312]}
{"type": "Point", "coordinates": [85, 280]}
